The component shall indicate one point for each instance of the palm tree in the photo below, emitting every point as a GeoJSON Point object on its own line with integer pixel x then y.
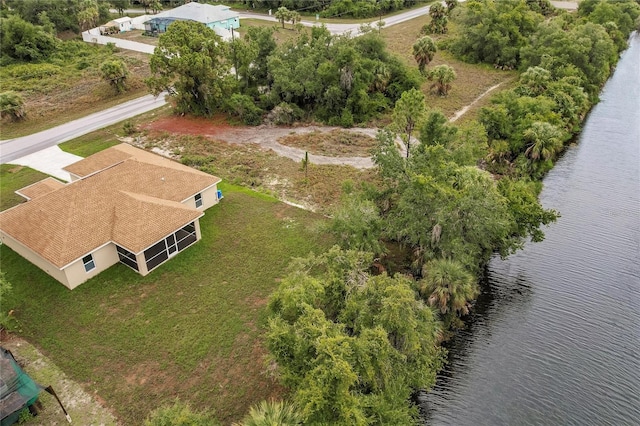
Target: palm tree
{"type": "Point", "coordinates": [423, 50]}
{"type": "Point", "coordinates": [535, 80]}
{"type": "Point", "coordinates": [443, 76]}
{"type": "Point", "coordinates": [439, 19]}
{"type": "Point", "coordinates": [283, 14]}
{"type": "Point", "coordinates": [447, 285]}
{"type": "Point", "coordinates": [269, 413]}
{"type": "Point", "coordinates": [12, 106]}
{"type": "Point", "coordinates": [544, 141]}
{"type": "Point", "coordinates": [381, 77]}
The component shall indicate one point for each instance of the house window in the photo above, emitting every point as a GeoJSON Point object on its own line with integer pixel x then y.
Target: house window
{"type": "Point", "coordinates": [198, 200]}
{"type": "Point", "coordinates": [89, 264]}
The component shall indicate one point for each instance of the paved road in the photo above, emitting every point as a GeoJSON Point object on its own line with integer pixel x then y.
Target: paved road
{"type": "Point", "coordinates": [19, 147]}
{"type": "Point", "coordinates": [345, 28]}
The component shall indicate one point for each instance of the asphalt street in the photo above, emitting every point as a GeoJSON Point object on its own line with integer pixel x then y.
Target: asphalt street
{"type": "Point", "coordinates": [19, 147]}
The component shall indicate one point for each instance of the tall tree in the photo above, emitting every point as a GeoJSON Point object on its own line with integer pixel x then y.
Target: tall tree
{"type": "Point", "coordinates": [443, 76]}
{"type": "Point", "coordinates": [423, 51]}
{"type": "Point", "coordinates": [155, 6]}
{"type": "Point", "coordinates": [436, 129]}
{"type": "Point", "coordinates": [351, 346]}
{"type": "Point", "coordinates": [262, 38]}
{"type": "Point", "coordinates": [242, 54]}
{"type": "Point", "coordinates": [294, 17]}
{"type": "Point", "coordinates": [115, 72]}
{"type": "Point", "coordinates": [190, 64]}
{"type": "Point", "coordinates": [23, 41]}
{"type": "Point", "coordinates": [120, 5]}
{"type": "Point", "coordinates": [495, 31]}
{"type": "Point", "coordinates": [439, 20]}
{"type": "Point", "coordinates": [408, 113]}
{"type": "Point", "coordinates": [283, 15]}
{"type": "Point", "coordinates": [87, 14]}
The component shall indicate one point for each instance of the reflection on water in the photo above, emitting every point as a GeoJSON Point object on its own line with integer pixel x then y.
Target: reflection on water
{"type": "Point", "coordinates": [555, 338]}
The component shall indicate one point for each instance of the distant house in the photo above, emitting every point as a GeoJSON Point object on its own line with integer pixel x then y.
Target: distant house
{"type": "Point", "coordinates": [123, 205]}
{"type": "Point", "coordinates": [214, 17]}
{"type": "Point", "coordinates": [121, 24]}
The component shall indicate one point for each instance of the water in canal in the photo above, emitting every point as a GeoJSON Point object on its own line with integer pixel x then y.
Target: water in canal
{"type": "Point", "coordinates": [555, 339]}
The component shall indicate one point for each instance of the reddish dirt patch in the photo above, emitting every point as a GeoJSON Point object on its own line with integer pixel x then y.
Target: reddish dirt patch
{"type": "Point", "coordinates": [188, 125]}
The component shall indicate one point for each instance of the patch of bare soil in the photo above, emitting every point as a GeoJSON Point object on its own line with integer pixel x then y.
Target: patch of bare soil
{"type": "Point", "coordinates": [83, 407]}
{"type": "Point", "coordinates": [335, 143]}
{"type": "Point", "coordinates": [188, 125]}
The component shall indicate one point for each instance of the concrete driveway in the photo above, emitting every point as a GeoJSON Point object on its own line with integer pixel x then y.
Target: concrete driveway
{"type": "Point", "coordinates": [50, 161]}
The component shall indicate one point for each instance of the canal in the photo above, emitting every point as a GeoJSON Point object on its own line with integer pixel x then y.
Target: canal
{"type": "Point", "coordinates": [555, 338]}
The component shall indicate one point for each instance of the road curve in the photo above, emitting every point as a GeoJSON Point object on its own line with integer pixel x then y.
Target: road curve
{"type": "Point", "coordinates": [19, 147]}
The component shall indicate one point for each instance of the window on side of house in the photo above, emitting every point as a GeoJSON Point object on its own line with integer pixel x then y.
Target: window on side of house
{"type": "Point", "coordinates": [198, 200]}
{"type": "Point", "coordinates": [88, 262]}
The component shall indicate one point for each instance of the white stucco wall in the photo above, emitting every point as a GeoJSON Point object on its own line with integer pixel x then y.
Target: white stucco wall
{"type": "Point", "coordinates": [37, 260]}
{"type": "Point", "coordinates": [104, 258]}
{"type": "Point", "coordinates": [91, 37]}
{"type": "Point", "coordinates": [209, 198]}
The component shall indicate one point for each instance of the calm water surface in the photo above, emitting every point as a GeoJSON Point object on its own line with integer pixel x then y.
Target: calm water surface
{"type": "Point", "coordinates": [555, 339]}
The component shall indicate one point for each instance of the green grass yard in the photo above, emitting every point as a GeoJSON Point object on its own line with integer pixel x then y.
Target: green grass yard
{"type": "Point", "coordinates": [192, 329]}
{"type": "Point", "coordinates": [12, 178]}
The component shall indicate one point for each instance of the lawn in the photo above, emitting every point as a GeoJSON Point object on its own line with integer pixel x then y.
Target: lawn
{"type": "Point", "coordinates": [137, 36]}
{"type": "Point", "coordinates": [192, 329]}
{"type": "Point", "coordinates": [12, 178]}
{"type": "Point", "coordinates": [93, 142]}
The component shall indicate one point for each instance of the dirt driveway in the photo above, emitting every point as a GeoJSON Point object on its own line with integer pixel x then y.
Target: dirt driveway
{"type": "Point", "coordinates": [265, 136]}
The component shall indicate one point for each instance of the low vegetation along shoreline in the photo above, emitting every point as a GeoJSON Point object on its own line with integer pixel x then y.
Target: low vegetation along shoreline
{"type": "Point", "coordinates": [281, 303]}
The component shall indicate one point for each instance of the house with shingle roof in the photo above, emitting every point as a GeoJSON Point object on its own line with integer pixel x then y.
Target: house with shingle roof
{"type": "Point", "coordinates": [124, 205]}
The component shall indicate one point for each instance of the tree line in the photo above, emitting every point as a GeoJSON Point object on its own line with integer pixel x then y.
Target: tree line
{"type": "Point", "coordinates": [62, 15]}
{"type": "Point", "coordinates": [336, 79]}
{"type": "Point", "coordinates": [564, 60]}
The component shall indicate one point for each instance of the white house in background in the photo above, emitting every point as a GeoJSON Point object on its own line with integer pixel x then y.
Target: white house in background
{"type": "Point", "coordinates": [124, 204]}
{"type": "Point", "coordinates": [215, 17]}
{"type": "Point", "coordinates": [122, 24]}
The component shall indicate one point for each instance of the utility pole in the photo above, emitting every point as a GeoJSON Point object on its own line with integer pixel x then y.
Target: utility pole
{"type": "Point", "coordinates": [235, 59]}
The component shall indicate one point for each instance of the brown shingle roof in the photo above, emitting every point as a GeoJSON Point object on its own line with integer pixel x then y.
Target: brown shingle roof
{"type": "Point", "coordinates": [98, 161]}
{"type": "Point", "coordinates": [40, 188]}
{"type": "Point", "coordinates": [153, 219]}
{"type": "Point", "coordinates": [117, 154]}
{"type": "Point", "coordinates": [133, 203]}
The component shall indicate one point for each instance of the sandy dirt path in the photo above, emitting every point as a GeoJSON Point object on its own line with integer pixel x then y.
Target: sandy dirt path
{"type": "Point", "coordinates": [84, 408]}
